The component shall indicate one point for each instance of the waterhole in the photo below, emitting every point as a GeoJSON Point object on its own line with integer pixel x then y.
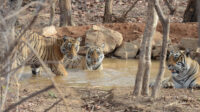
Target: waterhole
{"type": "Point", "coordinates": [116, 72]}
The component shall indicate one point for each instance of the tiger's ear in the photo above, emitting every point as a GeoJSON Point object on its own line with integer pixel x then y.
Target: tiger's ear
{"type": "Point", "coordinates": [187, 52]}
{"type": "Point", "coordinates": [65, 38]}
{"type": "Point", "coordinates": [79, 39]}
{"type": "Point", "coordinates": [102, 46]}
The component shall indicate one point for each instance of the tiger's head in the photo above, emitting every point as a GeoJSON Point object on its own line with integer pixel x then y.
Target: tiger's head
{"type": "Point", "coordinates": [178, 62]}
{"type": "Point", "coordinates": [94, 56]}
{"type": "Point", "coordinates": [70, 46]}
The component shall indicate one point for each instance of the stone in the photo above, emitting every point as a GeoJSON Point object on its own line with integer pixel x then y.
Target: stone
{"type": "Point", "coordinates": [189, 43]}
{"type": "Point", "coordinates": [157, 40]}
{"type": "Point", "coordinates": [49, 31]}
{"type": "Point", "coordinates": [127, 50]}
{"type": "Point", "coordinates": [156, 51]}
{"type": "Point", "coordinates": [98, 35]}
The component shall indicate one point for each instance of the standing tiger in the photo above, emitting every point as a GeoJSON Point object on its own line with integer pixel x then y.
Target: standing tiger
{"type": "Point", "coordinates": [185, 71]}
{"type": "Point", "coordinates": [92, 61]}
{"type": "Point", "coordinates": [51, 50]}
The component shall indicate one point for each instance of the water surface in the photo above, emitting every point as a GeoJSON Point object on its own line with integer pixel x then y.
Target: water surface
{"type": "Point", "coordinates": [116, 72]}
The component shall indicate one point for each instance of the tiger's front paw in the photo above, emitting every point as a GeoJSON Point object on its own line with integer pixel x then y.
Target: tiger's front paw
{"type": "Point", "coordinates": [151, 85]}
{"type": "Point", "coordinates": [167, 84]}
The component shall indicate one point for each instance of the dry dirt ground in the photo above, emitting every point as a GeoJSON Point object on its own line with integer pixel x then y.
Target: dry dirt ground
{"type": "Point", "coordinates": [118, 99]}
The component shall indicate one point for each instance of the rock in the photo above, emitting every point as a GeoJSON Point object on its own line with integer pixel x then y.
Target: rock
{"type": "Point", "coordinates": [137, 42]}
{"type": "Point", "coordinates": [189, 43]}
{"type": "Point", "coordinates": [156, 50]}
{"type": "Point", "coordinates": [99, 34]}
{"type": "Point", "coordinates": [126, 50]}
{"type": "Point", "coordinates": [49, 31]}
{"type": "Point", "coordinates": [157, 40]}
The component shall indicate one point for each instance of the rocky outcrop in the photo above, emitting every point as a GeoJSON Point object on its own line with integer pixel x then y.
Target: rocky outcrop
{"type": "Point", "coordinates": [99, 34]}
{"type": "Point", "coordinates": [127, 50]}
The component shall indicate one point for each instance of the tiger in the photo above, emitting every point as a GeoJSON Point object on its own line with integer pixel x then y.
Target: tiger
{"type": "Point", "coordinates": [91, 61]}
{"type": "Point", "coordinates": [50, 49]}
{"type": "Point", "coordinates": [185, 71]}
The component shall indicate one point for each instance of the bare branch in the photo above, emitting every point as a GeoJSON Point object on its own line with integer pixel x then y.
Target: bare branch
{"type": "Point", "coordinates": [5, 93]}
{"type": "Point", "coordinates": [132, 6]}
{"type": "Point", "coordinates": [17, 41]}
{"type": "Point", "coordinates": [28, 97]}
{"type": "Point", "coordinates": [159, 12]}
{"type": "Point", "coordinates": [170, 7]}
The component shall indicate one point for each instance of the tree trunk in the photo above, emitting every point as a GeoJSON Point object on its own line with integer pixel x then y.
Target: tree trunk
{"type": "Point", "coordinates": [108, 11]}
{"type": "Point", "coordinates": [153, 20]}
{"type": "Point", "coordinates": [151, 23]}
{"type": "Point", "coordinates": [165, 23]}
{"type": "Point", "coordinates": [190, 14]}
{"type": "Point", "coordinates": [52, 12]}
{"type": "Point", "coordinates": [65, 13]}
{"type": "Point", "coordinates": [198, 10]}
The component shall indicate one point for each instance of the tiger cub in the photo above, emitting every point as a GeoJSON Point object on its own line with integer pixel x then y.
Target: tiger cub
{"type": "Point", "coordinates": [92, 61]}
{"type": "Point", "coordinates": [185, 71]}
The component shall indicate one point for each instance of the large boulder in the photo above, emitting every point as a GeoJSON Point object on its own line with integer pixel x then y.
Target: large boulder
{"type": "Point", "coordinates": [156, 51]}
{"type": "Point", "coordinates": [49, 31]}
{"type": "Point", "coordinates": [99, 34]}
{"type": "Point", "coordinates": [157, 40]}
{"type": "Point", "coordinates": [127, 50]}
{"type": "Point", "coordinates": [189, 43]}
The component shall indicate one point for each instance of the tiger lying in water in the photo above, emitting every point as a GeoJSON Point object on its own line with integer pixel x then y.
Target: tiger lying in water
{"type": "Point", "coordinates": [51, 50]}
{"type": "Point", "coordinates": [185, 71]}
{"type": "Point", "coordinates": [92, 61]}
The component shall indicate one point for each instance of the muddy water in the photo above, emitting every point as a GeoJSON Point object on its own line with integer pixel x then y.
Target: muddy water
{"type": "Point", "coordinates": [116, 72]}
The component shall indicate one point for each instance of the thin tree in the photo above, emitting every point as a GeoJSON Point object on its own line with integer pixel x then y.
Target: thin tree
{"type": "Point", "coordinates": [154, 19]}
{"type": "Point", "coordinates": [52, 12]}
{"type": "Point", "coordinates": [108, 11]}
{"type": "Point", "coordinates": [165, 23]}
{"type": "Point", "coordinates": [145, 50]}
{"type": "Point", "coordinates": [65, 13]}
{"type": "Point", "coordinates": [198, 10]}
